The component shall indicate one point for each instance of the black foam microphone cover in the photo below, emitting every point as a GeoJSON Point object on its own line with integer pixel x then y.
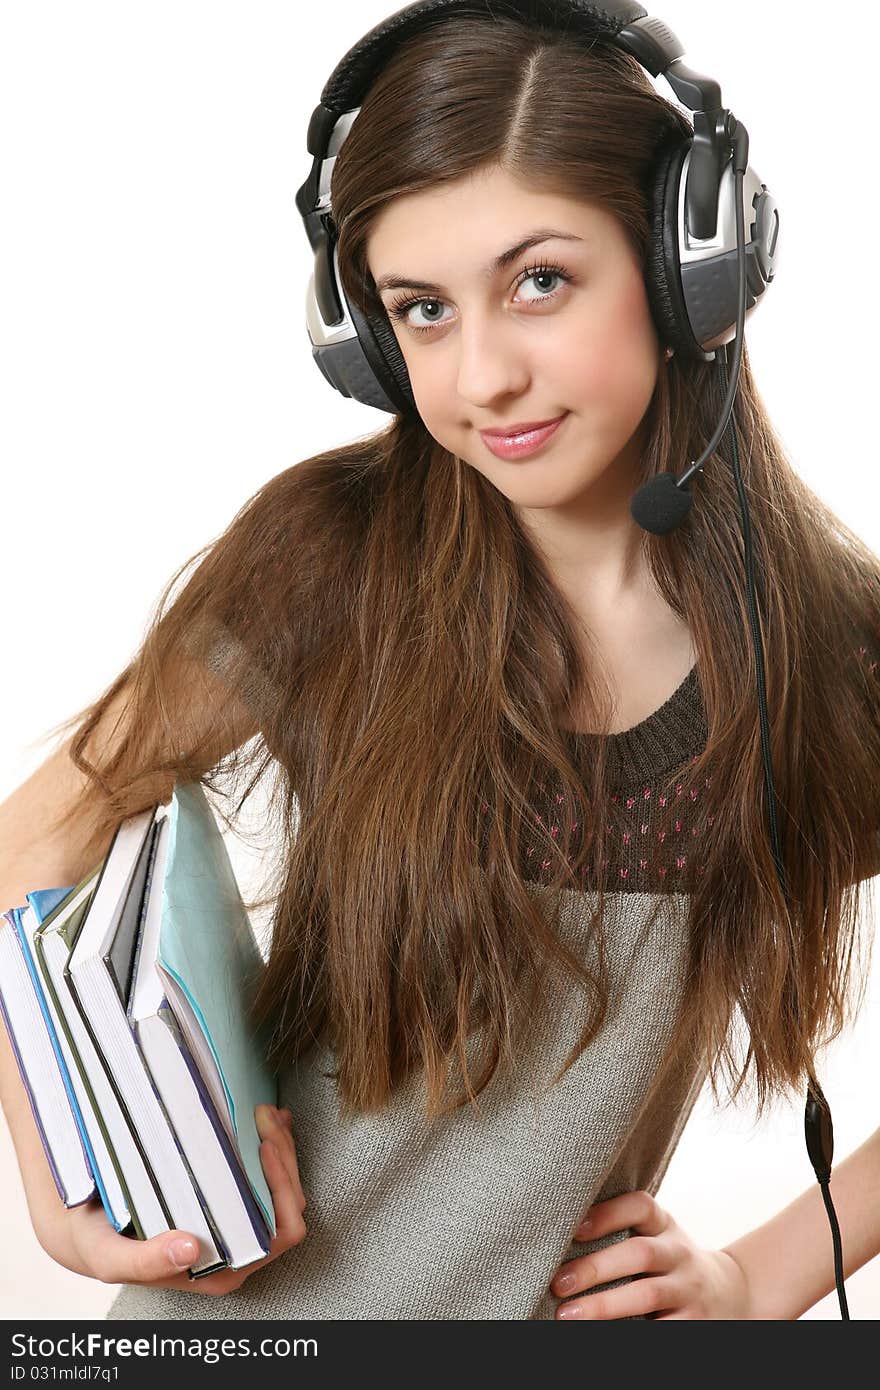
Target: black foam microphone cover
{"type": "Point", "coordinates": [659, 505]}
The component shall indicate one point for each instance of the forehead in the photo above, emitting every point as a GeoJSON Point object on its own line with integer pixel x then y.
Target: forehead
{"type": "Point", "coordinates": [471, 221]}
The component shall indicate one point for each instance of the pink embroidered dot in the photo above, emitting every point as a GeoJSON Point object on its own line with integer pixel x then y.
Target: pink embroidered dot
{"type": "Point", "coordinates": [630, 802]}
{"type": "Point", "coordinates": [644, 827]}
{"type": "Point", "coordinates": [643, 863]}
{"type": "Point", "coordinates": [647, 793]}
{"type": "Point", "coordinates": [680, 861]}
{"type": "Point", "coordinates": [626, 838]}
{"type": "Point", "coordinates": [678, 825]}
{"type": "Point", "coordinates": [623, 873]}
{"type": "Point", "coordinates": [663, 801]}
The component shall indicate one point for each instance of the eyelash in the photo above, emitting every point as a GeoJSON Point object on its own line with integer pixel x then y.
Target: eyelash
{"type": "Point", "coordinates": [399, 308]}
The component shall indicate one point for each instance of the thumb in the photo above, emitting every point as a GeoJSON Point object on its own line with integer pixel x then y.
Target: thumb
{"type": "Point", "coordinates": [123, 1260]}
{"type": "Point", "coordinates": [179, 1249]}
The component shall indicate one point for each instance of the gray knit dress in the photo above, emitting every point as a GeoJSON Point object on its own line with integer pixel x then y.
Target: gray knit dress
{"type": "Point", "coordinates": [470, 1217]}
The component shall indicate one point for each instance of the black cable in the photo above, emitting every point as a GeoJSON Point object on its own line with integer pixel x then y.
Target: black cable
{"type": "Point", "coordinates": [825, 1185]}
{"type": "Point", "coordinates": [817, 1114]}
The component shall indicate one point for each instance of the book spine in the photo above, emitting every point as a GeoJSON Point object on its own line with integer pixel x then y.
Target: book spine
{"type": "Point", "coordinates": [123, 1219]}
{"type": "Point", "coordinates": [79, 1123]}
{"type": "Point", "coordinates": [30, 1095]}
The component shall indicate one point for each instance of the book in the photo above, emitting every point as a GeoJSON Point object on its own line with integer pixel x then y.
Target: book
{"type": "Point", "coordinates": [30, 922]}
{"type": "Point", "coordinates": [138, 982]}
{"type": "Point", "coordinates": [124, 1181]}
{"type": "Point", "coordinates": [41, 1063]}
{"type": "Point", "coordinates": [97, 975]}
{"type": "Point", "coordinates": [187, 1009]}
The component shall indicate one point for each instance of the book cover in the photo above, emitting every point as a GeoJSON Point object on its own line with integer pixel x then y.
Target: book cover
{"type": "Point", "coordinates": [209, 959]}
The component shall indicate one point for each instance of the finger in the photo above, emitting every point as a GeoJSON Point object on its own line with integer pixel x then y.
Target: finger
{"type": "Point", "coordinates": [289, 1154]}
{"type": "Point", "coordinates": [638, 1211]}
{"type": "Point", "coordinates": [289, 1224]}
{"type": "Point", "coordinates": [641, 1298]}
{"type": "Point", "coordinates": [624, 1259]}
{"type": "Point", "coordinates": [271, 1128]}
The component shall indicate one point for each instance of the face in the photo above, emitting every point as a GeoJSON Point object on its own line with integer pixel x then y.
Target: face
{"type": "Point", "coordinates": [561, 328]}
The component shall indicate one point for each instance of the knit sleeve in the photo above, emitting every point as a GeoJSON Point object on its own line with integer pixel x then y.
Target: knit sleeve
{"type": "Point", "coordinates": [244, 604]}
{"type": "Point", "coordinates": [237, 663]}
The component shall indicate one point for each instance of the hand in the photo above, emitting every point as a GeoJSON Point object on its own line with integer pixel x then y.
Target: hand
{"type": "Point", "coordinates": [83, 1240]}
{"type": "Point", "coordinates": [676, 1279]}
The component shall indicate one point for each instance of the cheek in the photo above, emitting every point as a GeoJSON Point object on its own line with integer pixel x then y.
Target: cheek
{"type": "Point", "coordinates": [620, 364]}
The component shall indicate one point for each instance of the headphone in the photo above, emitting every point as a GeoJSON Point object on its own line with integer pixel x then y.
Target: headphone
{"type": "Point", "coordinates": [713, 250]}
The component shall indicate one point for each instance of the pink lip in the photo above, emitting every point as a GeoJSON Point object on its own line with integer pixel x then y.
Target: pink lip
{"type": "Point", "coordinates": [520, 444]}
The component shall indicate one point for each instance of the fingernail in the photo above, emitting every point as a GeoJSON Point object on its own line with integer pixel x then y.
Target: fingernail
{"type": "Point", "coordinates": [584, 1226]}
{"type": "Point", "coordinates": [565, 1283]}
{"type": "Point", "coordinates": [182, 1253]}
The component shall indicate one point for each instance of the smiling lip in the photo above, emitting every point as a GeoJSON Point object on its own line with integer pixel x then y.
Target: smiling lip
{"type": "Point", "coordinates": [525, 428]}
{"type": "Point", "coordinates": [524, 442]}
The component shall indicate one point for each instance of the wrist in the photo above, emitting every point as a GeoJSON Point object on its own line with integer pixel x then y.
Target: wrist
{"type": "Point", "coordinates": [736, 1278]}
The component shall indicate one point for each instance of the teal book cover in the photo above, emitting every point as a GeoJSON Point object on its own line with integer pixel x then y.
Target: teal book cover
{"type": "Point", "coordinates": [208, 949]}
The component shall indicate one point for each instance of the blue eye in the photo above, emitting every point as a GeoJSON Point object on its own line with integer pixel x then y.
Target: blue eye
{"type": "Point", "coordinates": [399, 308]}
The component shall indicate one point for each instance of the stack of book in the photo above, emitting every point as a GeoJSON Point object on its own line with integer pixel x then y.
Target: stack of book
{"type": "Point", "coordinates": [125, 1000]}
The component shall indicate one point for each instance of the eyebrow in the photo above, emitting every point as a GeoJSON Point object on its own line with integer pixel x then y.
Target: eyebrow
{"type": "Point", "coordinates": [394, 280]}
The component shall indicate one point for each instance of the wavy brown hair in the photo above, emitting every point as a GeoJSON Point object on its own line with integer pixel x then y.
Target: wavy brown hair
{"type": "Point", "coordinates": [375, 639]}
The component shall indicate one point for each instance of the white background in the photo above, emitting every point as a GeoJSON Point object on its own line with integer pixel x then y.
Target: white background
{"type": "Point", "coordinates": [155, 371]}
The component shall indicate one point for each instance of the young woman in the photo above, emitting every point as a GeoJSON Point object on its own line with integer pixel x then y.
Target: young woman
{"type": "Point", "coordinates": [524, 885]}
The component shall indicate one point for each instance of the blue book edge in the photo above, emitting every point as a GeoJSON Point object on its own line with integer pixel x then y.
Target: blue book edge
{"type": "Point", "coordinates": [44, 902]}
{"type": "Point", "coordinates": [9, 916]}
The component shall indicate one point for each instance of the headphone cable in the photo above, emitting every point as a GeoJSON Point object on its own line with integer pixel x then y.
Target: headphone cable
{"type": "Point", "coordinates": [817, 1114]}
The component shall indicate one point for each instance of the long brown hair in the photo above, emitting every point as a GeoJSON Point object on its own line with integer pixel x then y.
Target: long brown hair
{"type": "Point", "coordinates": [397, 663]}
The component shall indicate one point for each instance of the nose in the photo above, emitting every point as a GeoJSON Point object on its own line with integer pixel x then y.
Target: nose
{"type": "Point", "coordinates": [492, 360]}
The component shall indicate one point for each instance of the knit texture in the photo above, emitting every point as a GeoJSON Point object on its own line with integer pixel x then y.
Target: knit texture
{"type": "Point", "coordinates": [470, 1217]}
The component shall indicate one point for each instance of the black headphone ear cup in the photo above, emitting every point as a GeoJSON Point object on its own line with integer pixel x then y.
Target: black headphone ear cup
{"type": "Point", "coordinates": [388, 345]}
{"type": "Point", "coordinates": [663, 277]}
{"type": "Point", "coordinates": [382, 356]}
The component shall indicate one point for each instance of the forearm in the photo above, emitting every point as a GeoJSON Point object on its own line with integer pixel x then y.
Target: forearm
{"type": "Point", "coordinates": [789, 1261]}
